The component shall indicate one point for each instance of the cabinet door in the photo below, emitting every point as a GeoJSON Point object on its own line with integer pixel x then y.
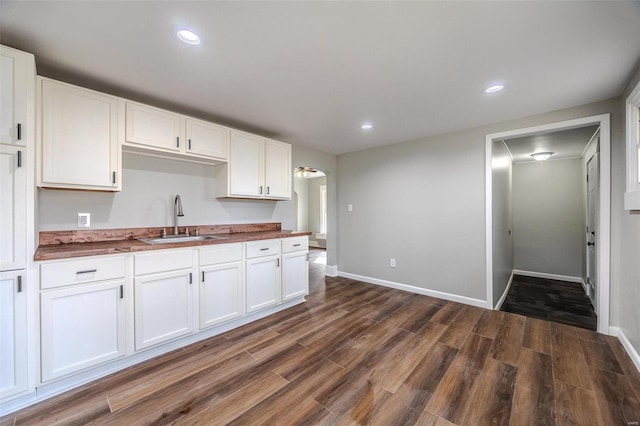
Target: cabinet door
{"type": "Point", "coordinates": [13, 208]}
{"type": "Point", "coordinates": [81, 326]}
{"type": "Point", "coordinates": [153, 127]}
{"type": "Point", "coordinates": [278, 171]}
{"type": "Point", "coordinates": [13, 334]}
{"type": "Point", "coordinates": [207, 140]}
{"type": "Point", "coordinates": [221, 293]}
{"type": "Point", "coordinates": [13, 95]}
{"type": "Point", "coordinates": [263, 282]}
{"type": "Point", "coordinates": [246, 165]}
{"type": "Point", "coordinates": [79, 138]}
{"type": "Point", "coordinates": [295, 275]}
{"type": "Point", "coordinates": [163, 307]}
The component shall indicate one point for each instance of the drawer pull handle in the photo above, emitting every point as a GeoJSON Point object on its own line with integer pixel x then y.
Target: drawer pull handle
{"type": "Point", "coordinates": [263, 249]}
{"type": "Point", "coordinates": [87, 271]}
{"type": "Point", "coordinates": [296, 245]}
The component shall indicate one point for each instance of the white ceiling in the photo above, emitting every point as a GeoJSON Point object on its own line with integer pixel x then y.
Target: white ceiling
{"type": "Point", "coordinates": [310, 73]}
{"type": "Point", "coordinates": [564, 144]}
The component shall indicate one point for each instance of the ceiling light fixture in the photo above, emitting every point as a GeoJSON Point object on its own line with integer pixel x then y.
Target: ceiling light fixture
{"type": "Point", "coordinates": [541, 156]}
{"type": "Point", "coordinates": [494, 89]}
{"type": "Point", "coordinates": [188, 37]}
{"type": "Point", "coordinates": [366, 126]}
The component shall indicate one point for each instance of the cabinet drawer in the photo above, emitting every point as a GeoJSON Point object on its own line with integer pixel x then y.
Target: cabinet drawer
{"type": "Point", "coordinates": [220, 254]}
{"type": "Point", "coordinates": [59, 274]}
{"type": "Point", "coordinates": [295, 244]}
{"type": "Point", "coordinates": [262, 248]}
{"type": "Point", "coordinates": [149, 263]}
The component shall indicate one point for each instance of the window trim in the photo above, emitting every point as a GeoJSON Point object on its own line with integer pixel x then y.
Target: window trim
{"type": "Point", "coordinates": [632, 195]}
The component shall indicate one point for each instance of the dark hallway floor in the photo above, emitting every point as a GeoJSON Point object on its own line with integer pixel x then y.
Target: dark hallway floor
{"type": "Point", "coordinates": [559, 301]}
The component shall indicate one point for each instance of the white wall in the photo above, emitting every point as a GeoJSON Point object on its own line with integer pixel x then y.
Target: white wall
{"type": "Point", "coordinates": [301, 190]}
{"type": "Point", "coordinates": [149, 187]}
{"type": "Point", "coordinates": [423, 203]}
{"type": "Point", "coordinates": [502, 241]}
{"type": "Point", "coordinates": [548, 212]}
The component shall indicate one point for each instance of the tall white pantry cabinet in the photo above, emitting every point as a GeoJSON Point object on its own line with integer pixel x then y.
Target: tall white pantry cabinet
{"type": "Point", "coordinates": [17, 137]}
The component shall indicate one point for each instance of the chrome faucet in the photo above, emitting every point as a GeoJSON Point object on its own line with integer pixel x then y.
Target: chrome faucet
{"type": "Point", "coordinates": [177, 211]}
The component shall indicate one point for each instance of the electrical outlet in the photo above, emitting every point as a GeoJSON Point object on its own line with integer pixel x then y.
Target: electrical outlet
{"type": "Point", "coordinates": [350, 207]}
{"type": "Point", "coordinates": [84, 220]}
{"type": "Point", "coordinates": [392, 262]}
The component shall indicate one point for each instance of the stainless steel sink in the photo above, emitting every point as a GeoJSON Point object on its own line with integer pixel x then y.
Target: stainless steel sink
{"type": "Point", "coordinates": [181, 239]}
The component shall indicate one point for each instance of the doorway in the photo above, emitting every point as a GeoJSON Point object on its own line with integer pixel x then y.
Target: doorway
{"type": "Point", "coordinates": [310, 198]}
{"type": "Point", "coordinates": [497, 249]}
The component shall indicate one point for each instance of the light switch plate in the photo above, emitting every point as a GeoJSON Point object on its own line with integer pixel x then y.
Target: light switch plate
{"type": "Point", "coordinates": [350, 207]}
{"type": "Point", "coordinates": [84, 220]}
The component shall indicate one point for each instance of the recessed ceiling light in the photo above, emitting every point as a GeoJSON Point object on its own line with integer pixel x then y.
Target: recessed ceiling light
{"type": "Point", "coordinates": [188, 37]}
{"type": "Point", "coordinates": [366, 126]}
{"type": "Point", "coordinates": [494, 89]}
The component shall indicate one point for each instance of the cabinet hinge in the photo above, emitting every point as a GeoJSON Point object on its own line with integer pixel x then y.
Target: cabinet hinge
{"type": "Point", "coordinates": [19, 283]}
{"type": "Point", "coordinates": [19, 131]}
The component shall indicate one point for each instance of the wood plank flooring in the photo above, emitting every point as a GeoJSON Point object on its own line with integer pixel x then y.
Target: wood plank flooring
{"type": "Point", "coordinates": [356, 353]}
{"type": "Point", "coordinates": [559, 301]}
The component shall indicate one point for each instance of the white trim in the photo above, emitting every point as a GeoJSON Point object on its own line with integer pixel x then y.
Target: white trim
{"type": "Point", "coordinates": [419, 290]}
{"type": "Point", "coordinates": [331, 270]}
{"type": "Point", "coordinates": [631, 351]}
{"type": "Point", "coordinates": [547, 276]}
{"type": "Point", "coordinates": [632, 194]}
{"type": "Point", "coordinates": [584, 287]}
{"type": "Point", "coordinates": [314, 243]}
{"type": "Point", "coordinates": [504, 293]}
{"type": "Point", "coordinates": [603, 249]}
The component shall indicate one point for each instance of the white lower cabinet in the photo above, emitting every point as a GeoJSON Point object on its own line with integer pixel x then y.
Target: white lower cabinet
{"type": "Point", "coordinates": [263, 274]}
{"type": "Point", "coordinates": [221, 293]}
{"type": "Point", "coordinates": [295, 275]}
{"type": "Point", "coordinates": [163, 296]}
{"type": "Point", "coordinates": [81, 326]}
{"type": "Point", "coordinates": [13, 334]}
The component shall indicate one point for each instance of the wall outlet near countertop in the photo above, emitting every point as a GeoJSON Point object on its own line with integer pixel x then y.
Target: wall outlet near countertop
{"type": "Point", "coordinates": [392, 262]}
{"type": "Point", "coordinates": [84, 220]}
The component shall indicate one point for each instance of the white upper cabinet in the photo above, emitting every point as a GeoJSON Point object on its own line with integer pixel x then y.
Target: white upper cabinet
{"type": "Point", "coordinates": [258, 168]}
{"type": "Point", "coordinates": [13, 225]}
{"type": "Point", "coordinates": [153, 127]}
{"type": "Point", "coordinates": [246, 165]}
{"type": "Point", "coordinates": [78, 146]}
{"type": "Point", "coordinates": [207, 139]}
{"type": "Point", "coordinates": [157, 131]}
{"type": "Point", "coordinates": [278, 172]}
{"type": "Point", "coordinates": [16, 67]}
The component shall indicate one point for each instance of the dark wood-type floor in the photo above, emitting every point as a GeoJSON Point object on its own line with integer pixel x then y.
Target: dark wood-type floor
{"type": "Point", "coordinates": [552, 300]}
{"type": "Point", "coordinates": [356, 353]}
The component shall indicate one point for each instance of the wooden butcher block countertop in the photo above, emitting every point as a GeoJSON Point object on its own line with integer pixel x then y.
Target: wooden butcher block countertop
{"type": "Point", "coordinates": [95, 242]}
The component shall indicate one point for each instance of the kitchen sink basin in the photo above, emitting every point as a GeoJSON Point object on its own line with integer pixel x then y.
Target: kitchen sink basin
{"type": "Point", "coordinates": [181, 239]}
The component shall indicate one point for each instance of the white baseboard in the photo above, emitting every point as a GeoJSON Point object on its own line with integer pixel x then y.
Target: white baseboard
{"type": "Point", "coordinates": [584, 286]}
{"type": "Point", "coordinates": [633, 354]}
{"type": "Point", "coordinates": [419, 290]}
{"type": "Point", "coordinates": [313, 243]}
{"type": "Point", "coordinates": [548, 276]}
{"type": "Point", "coordinates": [331, 270]}
{"type": "Point", "coordinates": [504, 293]}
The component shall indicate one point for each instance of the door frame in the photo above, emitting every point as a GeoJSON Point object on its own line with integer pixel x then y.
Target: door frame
{"type": "Point", "coordinates": [603, 249]}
